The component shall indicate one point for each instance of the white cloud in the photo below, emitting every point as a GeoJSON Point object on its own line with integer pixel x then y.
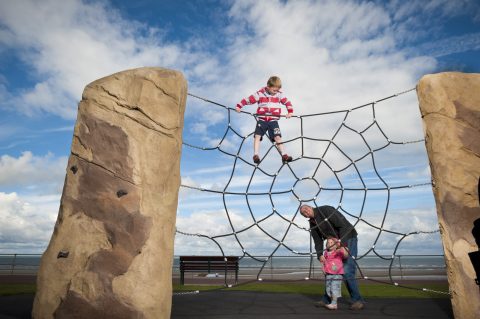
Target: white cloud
{"type": "Point", "coordinates": [85, 42]}
{"type": "Point", "coordinates": [59, 129]}
{"type": "Point", "coordinates": [210, 170]}
{"type": "Point", "coordinates": [35, 173]}
{"type": "Point", "coordinates": [423, 221]}
{"type": "Point", "coordinates": [26, 223]}
{"type": "Point", "coordinates": [422, 172]}
{"type": "Point", "coordinates": [199, 128]}
{"type": "Point", "coordinates": [327, 61]}
{"type": "Point", "coordinates": [205, 224]}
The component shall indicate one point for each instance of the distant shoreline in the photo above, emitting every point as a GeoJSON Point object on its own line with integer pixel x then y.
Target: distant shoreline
{"type": "Point", "coordinates": [281, 275]}
{"type": "Point", "coordinates": [416, 268]}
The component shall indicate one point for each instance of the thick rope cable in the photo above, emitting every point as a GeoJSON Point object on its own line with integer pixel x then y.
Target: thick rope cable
{"type": "Point", "coordinates": [353, 164]}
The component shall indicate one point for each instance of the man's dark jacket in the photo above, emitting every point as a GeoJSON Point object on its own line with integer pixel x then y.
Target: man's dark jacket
{"type": "Point", "coordinates": [328, 222]}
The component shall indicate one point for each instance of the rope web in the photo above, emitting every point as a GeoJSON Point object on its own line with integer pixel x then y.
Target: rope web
{"type": "Point", "coordinates": [322, 163]}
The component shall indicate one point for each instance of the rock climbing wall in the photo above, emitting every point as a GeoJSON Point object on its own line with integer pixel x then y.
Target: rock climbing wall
{"type": "Point", "coordinates": [450, 107]}
{"type": "Point", "coordinates": [111, 251]}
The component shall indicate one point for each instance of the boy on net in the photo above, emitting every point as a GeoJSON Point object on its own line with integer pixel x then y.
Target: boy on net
{"type": "Point", "coordinates": [270, 100]}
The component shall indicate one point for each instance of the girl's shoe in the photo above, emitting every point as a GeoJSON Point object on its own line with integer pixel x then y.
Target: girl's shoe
{"type": "Point", "coordinates": [331, 306]}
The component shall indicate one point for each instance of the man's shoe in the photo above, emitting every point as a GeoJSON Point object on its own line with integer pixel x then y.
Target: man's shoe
{"type": "Point", "coordinates": [256, 159]}
{"type": "Point", "coordinates": [286, 158]}
{"type": "Point", "coordinates": [331, 306]}
{"type": "Point", "coordinates": [320, 304]}
{"type": "Point", "coordinates": [357, 305]}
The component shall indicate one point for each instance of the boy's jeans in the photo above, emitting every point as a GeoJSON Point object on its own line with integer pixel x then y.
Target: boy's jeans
{"type": "Point", "coordinates": [350, 268]}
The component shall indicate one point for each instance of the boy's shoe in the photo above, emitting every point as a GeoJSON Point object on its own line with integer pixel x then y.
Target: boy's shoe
{"type": "Point", "coordinates": [357, 305]}
{"type": "Point", "coordinates": [286, 158]}
{"type": "Point", "coordinates": [331, 306]}
{"type": "Point", "coordinates": [256, 159]}
{"type": "Point", "coordinates": [320, 304]}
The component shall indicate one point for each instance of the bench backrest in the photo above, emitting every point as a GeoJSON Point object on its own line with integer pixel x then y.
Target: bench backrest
{"type": "Point", "coordinates": [209, 258]}
{"type": "Point", "coordinates": [209, 262]}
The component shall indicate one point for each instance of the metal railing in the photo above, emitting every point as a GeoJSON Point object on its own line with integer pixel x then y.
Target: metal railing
{"type": "Point", "coordinates": [28, 264]}
{"type": "Point", "coordinates": [299, 267]}
{"type": "Point", "coordinates": [16, 264]}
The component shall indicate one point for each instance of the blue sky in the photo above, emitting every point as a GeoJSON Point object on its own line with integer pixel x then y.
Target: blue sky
{"type": "Point", "coordinates": [330, 55]}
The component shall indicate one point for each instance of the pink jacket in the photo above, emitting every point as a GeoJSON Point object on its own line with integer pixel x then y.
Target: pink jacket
{"type": "Point", "coordinates": [334, 262]}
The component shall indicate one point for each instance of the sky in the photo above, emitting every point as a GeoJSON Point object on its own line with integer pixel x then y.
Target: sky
{"type": "Point", "coordinates": [331, 56]}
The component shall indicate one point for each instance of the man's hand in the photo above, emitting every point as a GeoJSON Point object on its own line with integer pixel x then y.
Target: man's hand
{"type": "Point", "coordinates": [289, 115]}
{"type": "Point", "coordinates": [339, 244]}
{"type": "Point", "coordinates": [237, 109]}
{"type": "Point", "coordinates": [322, 262]}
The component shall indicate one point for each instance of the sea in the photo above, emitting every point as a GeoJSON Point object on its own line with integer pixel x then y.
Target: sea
{"type": "Point", "coordinates": [426, 265]}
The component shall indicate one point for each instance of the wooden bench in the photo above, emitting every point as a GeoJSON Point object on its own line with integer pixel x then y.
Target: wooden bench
{"type": "Point", "coordinates": [208, 264]}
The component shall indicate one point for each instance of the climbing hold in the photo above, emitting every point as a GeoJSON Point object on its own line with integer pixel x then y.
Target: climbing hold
{"type": "Point", "coordinates": [63, 254]}
{"type": "Point", "coordinates": [121, 193]}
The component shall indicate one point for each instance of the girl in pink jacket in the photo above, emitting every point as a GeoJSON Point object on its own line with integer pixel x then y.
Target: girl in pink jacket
{"type": "Point", "coordinates": [333, 268]}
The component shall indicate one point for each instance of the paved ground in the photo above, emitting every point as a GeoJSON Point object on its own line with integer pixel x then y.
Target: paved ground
{"type": "Point", "coordinates": [245, 305]}
{"type": "Point", "coordinates": [19, 306]}
{"type": "Point", "coordinates": [239, 304]}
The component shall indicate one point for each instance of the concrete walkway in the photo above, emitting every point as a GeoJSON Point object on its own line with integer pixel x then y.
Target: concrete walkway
{"type": "Point", "coordinates": [239, 304]}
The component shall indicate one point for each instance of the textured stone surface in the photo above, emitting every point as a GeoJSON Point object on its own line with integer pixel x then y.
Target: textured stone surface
{"type": "Point", "coordinates": [111, 251]}
{"type": "Point", "coordinates": [450, 107]}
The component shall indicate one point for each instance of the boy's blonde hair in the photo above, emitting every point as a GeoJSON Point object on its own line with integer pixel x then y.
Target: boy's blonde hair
{"type": "Point", "coordinates": [274, 81]}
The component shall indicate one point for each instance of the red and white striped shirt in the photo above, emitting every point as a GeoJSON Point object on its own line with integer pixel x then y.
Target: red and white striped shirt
{"type": "Point", "coordinates": [269, 105]}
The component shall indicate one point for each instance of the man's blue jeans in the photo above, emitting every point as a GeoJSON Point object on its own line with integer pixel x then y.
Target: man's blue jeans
{"type": "Point", "coordinates": [350, 268]}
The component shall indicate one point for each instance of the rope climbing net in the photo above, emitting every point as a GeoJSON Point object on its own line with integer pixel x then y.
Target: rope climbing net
{"type": "Point", "coordinates": [326, 178]}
